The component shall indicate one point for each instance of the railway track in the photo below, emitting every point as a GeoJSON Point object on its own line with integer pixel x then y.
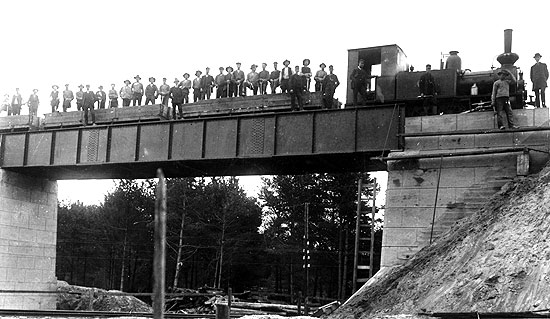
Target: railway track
{"type": "Point", "coordinates": [95, 314]}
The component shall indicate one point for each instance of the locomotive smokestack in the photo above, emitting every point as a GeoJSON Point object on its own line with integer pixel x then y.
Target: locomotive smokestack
{"type": "Point", "coordinates": [508, 41]}
{"type": "Point", "coordinates": [507, 59]}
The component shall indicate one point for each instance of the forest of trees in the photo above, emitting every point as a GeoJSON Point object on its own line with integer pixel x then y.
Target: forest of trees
{"type": "Point", "coordinates": [217, 236]}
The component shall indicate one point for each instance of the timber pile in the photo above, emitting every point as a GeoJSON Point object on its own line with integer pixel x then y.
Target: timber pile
{"type": "Point", "coordinates": [497, 260]}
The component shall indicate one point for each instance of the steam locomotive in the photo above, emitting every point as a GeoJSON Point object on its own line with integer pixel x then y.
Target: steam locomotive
{"type": "Point", "coordinates": [392, 81]}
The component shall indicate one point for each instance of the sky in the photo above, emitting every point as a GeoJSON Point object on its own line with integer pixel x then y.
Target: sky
{"type": "Point", "coordinates": [102, 42]}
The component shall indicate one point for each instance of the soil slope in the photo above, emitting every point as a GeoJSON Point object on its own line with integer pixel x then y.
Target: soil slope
{"type": "Point", "coordinates": [498, 260]}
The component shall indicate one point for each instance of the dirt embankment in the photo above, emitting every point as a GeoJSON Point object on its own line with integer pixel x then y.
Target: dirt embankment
{"type": "Point", "coordinates": [498, 260]}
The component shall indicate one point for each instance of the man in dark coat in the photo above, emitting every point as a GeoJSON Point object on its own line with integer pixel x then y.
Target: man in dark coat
{"type": "Point", "coordinates": [428, 91]}
{"type": "Point", "coordinates": [359, 82]}
{"type": "Point", "coordinates": [539, 76]}
{"type": "Point", "coordinates": [16, 102]}
{"type": "Point", "coordinates": [88, 101]}
{"type": "Point", "coordinates": [176, 94]}
{"type": "Point", "coordinates": [298, 84]}
{"type": "Point", "coordinates": [328, 86]}
{"type": "Point", "coordinates": [207, 83]}
{"type": "Point", "coordinates": [151, 91]}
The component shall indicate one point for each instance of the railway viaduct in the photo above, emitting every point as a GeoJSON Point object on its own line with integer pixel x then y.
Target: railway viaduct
{"type": "Point", "coordinates": [441, 168]}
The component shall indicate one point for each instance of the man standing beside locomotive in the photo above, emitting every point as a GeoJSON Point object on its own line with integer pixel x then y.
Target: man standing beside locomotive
{"type": "Point", "coordinates": [539, 76]}
{"type": "Point", "coordinates": [428, 91]}
{"type": "Point", "coordinates": [500, 99]}
{"type": "Point", "coordinates": [359, 85]}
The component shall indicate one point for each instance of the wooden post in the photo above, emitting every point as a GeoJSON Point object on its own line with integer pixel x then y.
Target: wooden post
{"type": "Point", "coordinates": [160, 247]}
{"type": "Point", "coordinates": [229, 297]}
{"type": "Point", "coordinates": [299, 303]}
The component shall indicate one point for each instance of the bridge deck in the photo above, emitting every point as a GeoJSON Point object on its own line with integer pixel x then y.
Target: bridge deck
{"type": "Point", "coordinates": [261, 143]}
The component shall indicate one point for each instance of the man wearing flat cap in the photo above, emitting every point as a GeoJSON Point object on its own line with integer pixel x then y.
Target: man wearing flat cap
{"type": "Point", "coordinates": [54, 98]}
{"type": "Point", "coordinates": [539, 76]}
{"type": "Point", "coordinates": [207, 83]}
{"type": "Point", "coordinates": [176, 94]}
{"type": "Point", "coordinates": [151, 91]}
{"type": "Point", "coordinates": [238, 78]}
{"type": "Point", "coordinates": [500, 99]}
{"type": "Point", "coordinates": [220, 84]}
{"type": "Point", "coordinates": [16, 102]}
{"type": "Point", "coordinates": [68, 97]}
{"type": "Point", "coordinates": [329, 85]}
{"type": "Point", "coordinates": [274, 78]}
{"type": "Point", "coordinates": [164, 91]}
{"type": "Point", "coordinates": [263, 79]}
{"type": "Point", "coordinates": [88, 102]}
{"type": "Point", "coordinates": [137, 91]}
{"type": "Point", "coordinates": [79, 96]}
{"type": "Point", "coordinates": [113, 96]}
{"type": "Point", "coordinates": [33, 103]}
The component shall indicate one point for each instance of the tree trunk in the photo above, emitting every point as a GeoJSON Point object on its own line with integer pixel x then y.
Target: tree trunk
{"type": "Point", "coordinates": [345, 266]}
{"type": "Point", "coordinates": [122, 268]}
{"type": "Point", "coordinates": [291, 281]}
{"type": "Point", "coordinates": [179, 262]}
{"type": "Point", "coordinates": [340, 267]}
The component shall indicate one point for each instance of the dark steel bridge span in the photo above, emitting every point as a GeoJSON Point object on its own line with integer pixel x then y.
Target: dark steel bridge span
{"type": "Point", "coordinates": [261, 143]}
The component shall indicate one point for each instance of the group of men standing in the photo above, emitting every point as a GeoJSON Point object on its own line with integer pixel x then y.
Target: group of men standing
{"type": "Point", "coordinates": [228, 83]}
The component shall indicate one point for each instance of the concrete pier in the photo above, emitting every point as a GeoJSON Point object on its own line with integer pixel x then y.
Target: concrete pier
{"type": "Point", "coordinates": [28, 230]}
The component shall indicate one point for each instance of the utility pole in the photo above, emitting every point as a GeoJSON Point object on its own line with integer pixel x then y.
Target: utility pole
{"type": "Point", "coordinates": [160, 248]}
{"type": "Point", "coordinates": [306, 256]}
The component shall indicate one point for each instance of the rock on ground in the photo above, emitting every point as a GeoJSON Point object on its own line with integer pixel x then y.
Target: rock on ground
{"type": "Point", "coordinates": [497, 260]}
{"type": "Point", "coordinates": [100, 301]}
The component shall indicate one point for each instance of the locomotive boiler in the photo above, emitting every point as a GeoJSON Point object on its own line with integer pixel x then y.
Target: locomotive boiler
{"type": "Point", "coordinates": [458, 90]}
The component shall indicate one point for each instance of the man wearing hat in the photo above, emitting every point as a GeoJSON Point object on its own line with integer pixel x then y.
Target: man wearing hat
{"type": "Point", "coordinates": [238, 78]}
{"type": "Point", "coordinates": [329, 85]}
{"type": "Point", "coordinates": [164, 92]}
{"type": "Point", "coordinates": [298, 84]}
{"type": "Point", "coordinates": [230, 86]}
{"type": "Point", "coordinates": [79, 96]}
{"type": "Point", "coordinates": [33, 102]}
{"type": "Point", "coordinates": [16, 102]}
{"type": "Point", "coordinates": [252, 79]}
{"type": "Point", "coordinates": [113, 96]}
{"type": "Point", "coordinates": [220, 84]}
{"type": "Point", "coordinates": [274, 78]}
{"type": "Point", "coordinates": [197, 94]}
{"type": "Point", "coordinates": [88, 102]}
{"type": "Point", "coordinates": [185, 86]}
{"type": "Point", "coordinates": [151, 91]}
{"type": "Point", "coordinates": [54, 98]}
{"type": "Point", "coordinates": [126, 93]}
{"type": "Point", "coordinates": [539, 76]}
{"type": "Point", "coordinates": [207, 83]}
{"type": "Point", "coordinates": [101, 97]}
{"type": "Point", "coordinates": [68, 96]}
{"type": "Point", "coordinates": [500, 98]}
{"type": "Point", "coordinates": [320, 77]}
{"type": "Point", "coordinates": [286, 73]}
{"type": "Point", "coordinates": [137, 91]}
{"type": "Point", "coordinates": [428, 91]}
{"type": "Point", "coordinates": [306, 71]}
{"type": "Point", "coordinates": [263, 79]}
{"type": "Point", "coordinates": [176, 94]}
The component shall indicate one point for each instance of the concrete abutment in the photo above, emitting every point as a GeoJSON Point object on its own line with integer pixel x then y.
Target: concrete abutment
{"type": "Point", "coordinates": [450, 167]}
{"type": "Point", "coordinates": [28, 232]}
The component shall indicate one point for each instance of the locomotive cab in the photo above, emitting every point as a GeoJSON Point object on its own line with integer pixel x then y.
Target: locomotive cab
{"type": "Point", "coordinates": [382, 63]}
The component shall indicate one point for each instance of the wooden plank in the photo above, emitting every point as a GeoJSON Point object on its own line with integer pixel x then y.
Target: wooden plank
{"type": "Point", "coordinates": [14, 122]}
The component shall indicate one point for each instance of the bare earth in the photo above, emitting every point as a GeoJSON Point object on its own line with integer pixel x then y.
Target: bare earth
{"type": "Point", "coordinates": [498, 260]}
